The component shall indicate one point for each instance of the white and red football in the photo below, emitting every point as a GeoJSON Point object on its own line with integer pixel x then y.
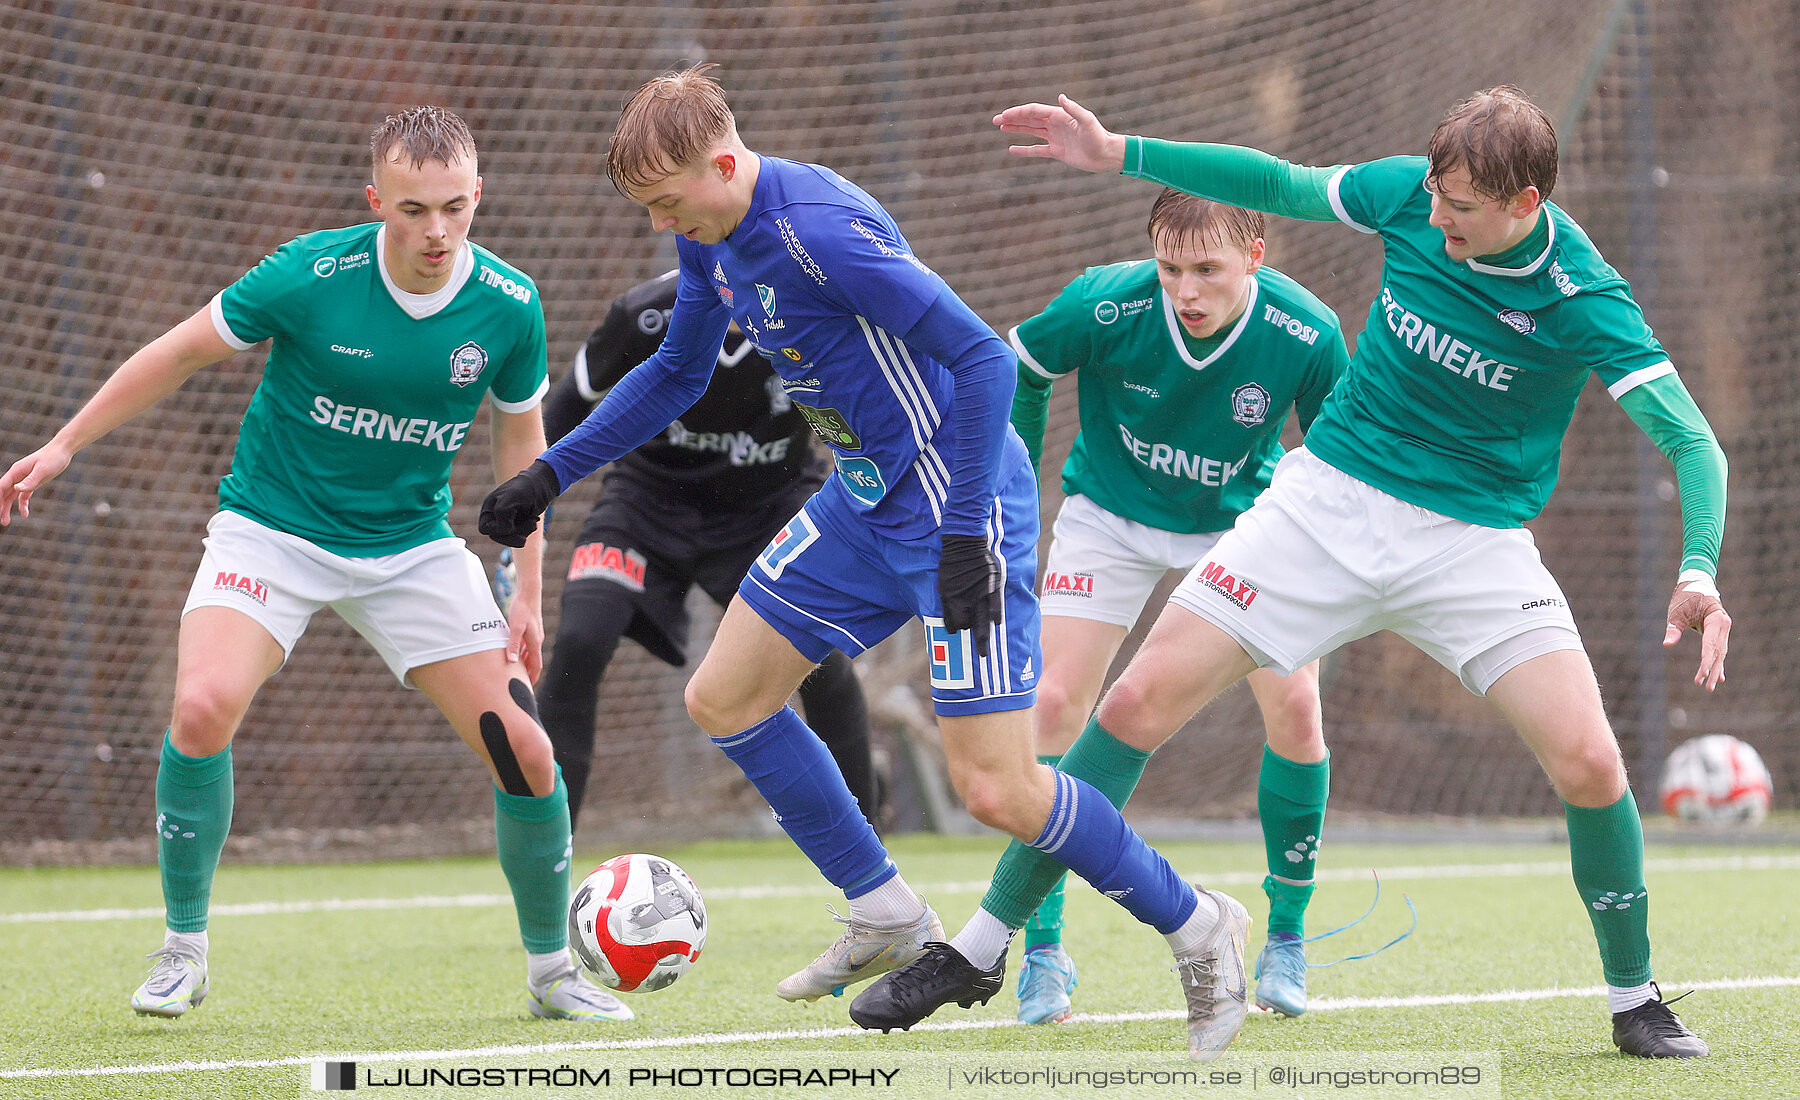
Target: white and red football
{"type": "Point", "coordinates": [637, 922]}
{"type": "Point", "coordinates": [1716, 779]}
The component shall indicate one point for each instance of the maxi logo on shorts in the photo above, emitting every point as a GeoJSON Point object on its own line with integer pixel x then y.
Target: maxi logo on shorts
{"type": "Point", "coordinates": [1070, 584]}
{"type": "Point", "coordinates": [253, 587]}
{"type": "Point", "coordinates": [598, 561]}
{"type": "Point", "coordinates": [1239, 592]}
{"type": "Point", "coordinates": [951, 666]}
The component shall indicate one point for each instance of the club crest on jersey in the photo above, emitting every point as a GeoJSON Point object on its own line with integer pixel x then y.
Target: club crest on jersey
{"type": "Point", "coordinates": [952, 664]}
{"type": "Point", "coordinates": [766, 295]}
{"type": "Point", "coordinates": [1518, 319]}
{"type": "Point", "coordinates": [1249, 404]}
{"type": "Point", "coordinates": [467, 363]}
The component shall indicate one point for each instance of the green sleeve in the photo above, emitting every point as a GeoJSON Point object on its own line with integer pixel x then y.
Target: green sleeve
{"type": "Point", "coordinates": [1328, 368]}
{"type": "Point", "coordinates": [1234, 175]}
{"type": "Point", "coordinates": [1668, 415]}
{"type": "Point", "coordinates": [1031, 408]}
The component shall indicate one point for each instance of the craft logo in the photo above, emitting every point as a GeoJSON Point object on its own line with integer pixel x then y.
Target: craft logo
{"type": "Point", "coordinates": [253, 587]}
{"type": "Point", "coordinates": [951, 666]}
{"type": "Point", "coordinates": [1249, 404]}
{"type": "Point", "coordinates": [1213, 576]}
{"type": "Point", "coordinates": [1518, 319]}
{"type": "Point", "coordinates": [1106, 312]}
{"type": "Point", "coordinates": [467, 363]}
{"type": "Point", "coordinates": [598, 561]}
{"type": "Point", "coordinates": [1070, 584]}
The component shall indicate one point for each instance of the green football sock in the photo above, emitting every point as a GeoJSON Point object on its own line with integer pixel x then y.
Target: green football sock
{"type": "Point", "coordinates": [1025, 876]}
{"type": "Point", "coordinates": [1046, 923]}
{"type": "Point", "coordinates": [535, 850]}
{"type": "Point", "coordinates": [193, 814]}
{"type": "Point", "coordinates": [1606, 853]}
{"type": "Point", "coordinates": [1290, 800]}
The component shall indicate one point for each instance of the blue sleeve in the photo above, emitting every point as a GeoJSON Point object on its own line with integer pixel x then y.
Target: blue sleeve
{"type": "Point", "coordinates": [983, 371]}
{"type": "Point", "coordinates": [655, 392]}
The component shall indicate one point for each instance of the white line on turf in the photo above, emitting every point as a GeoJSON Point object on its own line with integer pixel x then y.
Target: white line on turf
{"type": "Point", "coordinates": [725, 1038]}
{"type": "Point", "coordinates": [749, 893]}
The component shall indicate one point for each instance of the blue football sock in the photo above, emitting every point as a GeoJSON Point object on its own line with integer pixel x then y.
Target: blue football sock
{"type": "Point", "coordinates": [793, 770]}
{"type": "Point", "coordinates": [1086, 834]}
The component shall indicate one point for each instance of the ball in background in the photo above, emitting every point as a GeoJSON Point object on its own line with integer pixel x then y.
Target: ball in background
{"type": "Point", "coordinates": [637, 922]}
{"type": "Point", "coordinates": [1716, 779]}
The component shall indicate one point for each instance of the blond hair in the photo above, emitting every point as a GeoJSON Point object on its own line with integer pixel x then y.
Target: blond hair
{"type": "Point", "coordinates": [422, 134]}
{"type": "Point", "coordinates": [668, 125]}
{"type": "Point", "coordinates": [1182, 219]}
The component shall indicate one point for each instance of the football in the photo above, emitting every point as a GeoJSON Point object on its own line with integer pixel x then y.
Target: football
{"type": "Point", "coordinates": [1716, 779]}
{"type": "Point", "coordinates": [637, 922]}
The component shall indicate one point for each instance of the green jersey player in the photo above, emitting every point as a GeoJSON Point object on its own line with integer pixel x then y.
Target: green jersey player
{"type": "Point", "coordinates": [386, 340]}
{"type": "Point", "coordinates": [1404, 511]}
{"type": "Point", "coordinates": [1187, 365]}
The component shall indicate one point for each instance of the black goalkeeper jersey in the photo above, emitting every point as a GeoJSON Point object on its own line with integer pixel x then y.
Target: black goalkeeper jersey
{"type": "Point", "coordinates": [741, 444]}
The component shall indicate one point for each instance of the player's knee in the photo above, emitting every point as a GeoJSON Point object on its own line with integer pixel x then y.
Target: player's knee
{"type": "Point", "coordinates": [518, 749]}
{"type": "Point", "coordinates": [1590, 774]}
{"type": "Point", "coordinates": [988, 802]}
{"type": "Point", "coordinates": [1058, 715]}
{"type": "Point", "coordinates": [711, 708]}
{"type": "Point", "coordinates": [1294, 723]}
{"type": "Point", "coordinates": [1132, 713]}
{"type": "Point", "coordinates": [204, 719]}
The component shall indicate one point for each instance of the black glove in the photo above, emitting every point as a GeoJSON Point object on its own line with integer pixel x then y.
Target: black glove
{"type": "Point", "coordinates": [969, 587]}
{"type": "Point", "coordinates": [510, 513]}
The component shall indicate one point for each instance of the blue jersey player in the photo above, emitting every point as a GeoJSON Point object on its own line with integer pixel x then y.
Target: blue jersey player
{"type": "Point", "coordinates": [932, 513]}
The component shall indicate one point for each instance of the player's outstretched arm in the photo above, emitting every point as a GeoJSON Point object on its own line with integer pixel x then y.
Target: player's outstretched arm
{"type": "Point", "coordinates": [1070, 133]}
{"type": "Point", "coordinates": [518, 440]}
{"type": "Point", "coordinates": [1696, 606]}
{"type": "Point", "coordinates": [151, 374]}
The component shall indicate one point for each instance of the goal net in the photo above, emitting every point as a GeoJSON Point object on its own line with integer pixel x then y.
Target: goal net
{"type": "Point", "coordinates": [155, 152]}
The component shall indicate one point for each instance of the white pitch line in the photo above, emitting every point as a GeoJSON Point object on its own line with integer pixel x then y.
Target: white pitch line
{"type": "Point", "coordinates": [1539, 868]}
{"type": "Point", "coordinates": [722, 1039]}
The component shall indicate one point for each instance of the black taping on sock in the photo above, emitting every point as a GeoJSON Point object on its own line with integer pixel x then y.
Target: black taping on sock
{"type": "Point", "coordinates": [506, 765]}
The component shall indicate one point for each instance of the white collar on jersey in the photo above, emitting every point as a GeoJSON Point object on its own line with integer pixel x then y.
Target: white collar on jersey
{"type": "Point", "coordinates": [1530, 268]}
{"type": "Point", "coordinates": [421, 306]}
{"type": "Point", "coordinates": [1177, 334]}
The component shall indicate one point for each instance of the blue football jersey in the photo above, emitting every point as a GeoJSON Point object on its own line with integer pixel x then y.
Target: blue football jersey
{"type": "Point", "coordinates": [824, 284]}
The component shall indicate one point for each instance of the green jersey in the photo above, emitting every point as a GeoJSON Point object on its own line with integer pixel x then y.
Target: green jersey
{"type": "Point", "coordinates": [1466, 377]}
{"type": "Point", "coordinates": [1177, 433]}
{"type": "Point", "coordinates": [1467, 372]}
{"type": "Point", "coordinates": [369, 390]}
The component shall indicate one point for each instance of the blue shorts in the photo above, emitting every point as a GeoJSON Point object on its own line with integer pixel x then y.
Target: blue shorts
{"type": "Point", "coordinates": [827, 581]}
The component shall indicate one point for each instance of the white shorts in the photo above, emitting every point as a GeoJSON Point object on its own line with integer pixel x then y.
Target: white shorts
{"type": "Point", "coordinates": [1322, 559]}
{"type": "Point", "coordinates": [1102, 566]}
{"type": "Point", "coordinates": [429, 603]}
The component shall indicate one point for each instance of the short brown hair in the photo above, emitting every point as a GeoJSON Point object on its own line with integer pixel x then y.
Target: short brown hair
{"type": "Point", "coordinates": [667, 126]}
{"type": "Point", "coordinates": [1504, 140]}
{"type": "Point", "coordinates": [423, 133]}
{"type": "Point", "coordinates": [1186, 219]}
